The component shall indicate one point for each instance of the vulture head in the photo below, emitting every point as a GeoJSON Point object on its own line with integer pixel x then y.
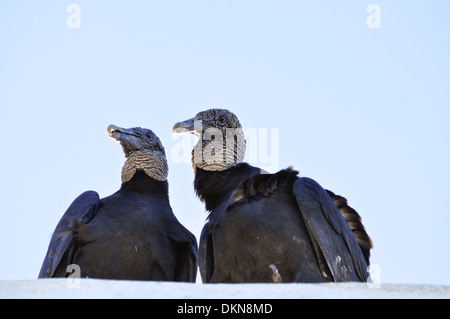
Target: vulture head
{"type": "Point", "coordinates": [143, 151]}
{"type": "Point", "coordinates": [221, 142]}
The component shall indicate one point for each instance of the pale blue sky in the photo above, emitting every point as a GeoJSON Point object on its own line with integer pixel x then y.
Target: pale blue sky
{"type": "Point", "coordinates": [365, 112]}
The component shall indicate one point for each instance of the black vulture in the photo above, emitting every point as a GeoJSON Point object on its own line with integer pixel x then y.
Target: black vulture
{"type": "Point", "coordinates": [265, 227]}
{"type": "Point", "coordinates": [132, 234]}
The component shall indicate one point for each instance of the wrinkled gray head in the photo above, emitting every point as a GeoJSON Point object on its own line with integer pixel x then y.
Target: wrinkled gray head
{"type": "Point", "coordinates": [221, 139]}
{"type": "Point", "coordinates": [135, 139]}
{"type": "Point", "coordinates": [143, 151]}
{"type": "Point", "coordinates": [213, 118]}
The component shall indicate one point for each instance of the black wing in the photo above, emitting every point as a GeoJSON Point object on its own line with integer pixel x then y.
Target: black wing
{"type": "Point", "coordinates": [186, 254]}
{"type": "Point", "coordinates": [331, 236]}
{"type": "Point", "coordinates": [62, 245]}
{"type": "Point", "coordinates": [206, 255]}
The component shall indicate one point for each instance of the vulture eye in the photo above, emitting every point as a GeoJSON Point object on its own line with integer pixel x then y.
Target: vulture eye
{"type": "Point", "coordinates": [222, 119]}
{"type": "Point", "coordinates": [149, 135]}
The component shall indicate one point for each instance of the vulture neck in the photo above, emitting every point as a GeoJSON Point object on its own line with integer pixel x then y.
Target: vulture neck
{"type": "Point", "coordinates": [213, 187]}
{"type": "Point", "coordinates": [154, 164]}
{"type": "Point", "coordinates": [219, 154]}
{"type": "Point", "coordinates": [145, 185]}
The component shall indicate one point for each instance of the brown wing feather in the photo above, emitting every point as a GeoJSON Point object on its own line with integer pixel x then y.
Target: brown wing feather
{"type": "Point", "coordinates": [355, 222]}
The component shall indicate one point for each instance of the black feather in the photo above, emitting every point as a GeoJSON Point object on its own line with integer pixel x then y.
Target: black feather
{"type": "Point", "coordinates": [354, 220]}
{"type": "Point", "coordinates": [258, 220]}
{"type": "Point", "coordinates": [132, 234]}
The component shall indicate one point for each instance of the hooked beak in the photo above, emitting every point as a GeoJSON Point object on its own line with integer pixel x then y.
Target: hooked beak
{"type": "Point", "coordinates": [114, 131]}
{"type": "Point", "coordinates": [192, 125]}
{"type": "Point", "coordinates": [126, 137]}
{"type": "Point", "coordinates": [119, 133]}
